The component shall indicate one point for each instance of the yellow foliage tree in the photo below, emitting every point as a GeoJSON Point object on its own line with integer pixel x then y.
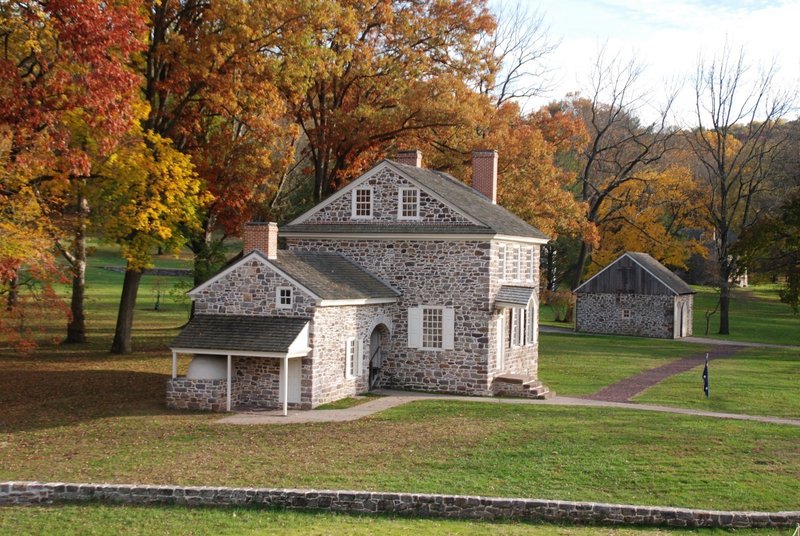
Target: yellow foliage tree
{"type": "Point", "coordinates": [649, 214]}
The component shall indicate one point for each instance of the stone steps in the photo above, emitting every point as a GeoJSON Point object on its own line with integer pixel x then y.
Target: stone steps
{"type": "Point", "coordinates": [522, 386]}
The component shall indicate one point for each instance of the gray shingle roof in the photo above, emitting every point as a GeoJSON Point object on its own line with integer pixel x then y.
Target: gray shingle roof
{"type": "Point", "coordinates": [675, 283]}
{"type": "Point", "coordinates": [331, 276]}
{"type": "Point", "coordinates": [493, 218]}
{"type": "Point", "coordinates": [515, 295]}
{"type": "Point", "coordinates": [239, 332]}
{"type": "Point", "coordinates": [470, 202]}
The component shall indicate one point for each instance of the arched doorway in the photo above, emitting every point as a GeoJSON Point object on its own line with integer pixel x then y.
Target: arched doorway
{"type": "Point", "coordinates": [378, 344]}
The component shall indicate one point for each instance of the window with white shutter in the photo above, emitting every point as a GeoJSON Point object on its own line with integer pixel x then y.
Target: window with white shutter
{"type": "Point", "coordinates": [431, 327]}
{"type": "Point", "coordinates": [501, 256]}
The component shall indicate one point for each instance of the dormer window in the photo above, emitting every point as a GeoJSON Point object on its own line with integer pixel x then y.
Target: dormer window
{"type": "Point", "coordinates": [362, 203]}
{"type": "Point", "coordinates": [283, 297]}
{"type": "Point", "coordinates": [408, 204]}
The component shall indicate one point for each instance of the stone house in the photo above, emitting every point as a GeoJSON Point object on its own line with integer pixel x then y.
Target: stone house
{"type": "Point", "coordinates": [404, 279]}
{"type": "Point", "coordinates": [635, 295]}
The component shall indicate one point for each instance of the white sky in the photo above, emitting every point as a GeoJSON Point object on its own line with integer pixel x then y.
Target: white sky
{"type": "Point", "coordinates": [668, 37]}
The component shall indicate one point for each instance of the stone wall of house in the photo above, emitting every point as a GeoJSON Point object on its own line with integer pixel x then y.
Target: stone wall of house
{"type": "Point", "coordinates": [250, 290]}
{"type": "Point", "coordinates": [256, 383]}
{"type": "Point", "coordinates": [203, 395]}
{"type": "Point", "coordinates": [332, 327]}
{"type": "Point", "coordinates": [403, 504]}
{"type": "Point", "coordinates": [386, 185]}
{"type": "Point", "coordinates": [650, 315]}
{"type": "Point", "coordinates": [429, 272]}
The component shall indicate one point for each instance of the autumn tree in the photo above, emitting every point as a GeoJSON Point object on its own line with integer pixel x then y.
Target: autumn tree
{"type": "Point", "coordinates": [65, 73]}
{"type": "Point", "coordinates": [383, 69]}
{"type": "Point", "coordinates": [620, 146]}
{"type": "Point", "coordinates": [651, 214]}
{"type": "Point", "coordinates": [737, 138]}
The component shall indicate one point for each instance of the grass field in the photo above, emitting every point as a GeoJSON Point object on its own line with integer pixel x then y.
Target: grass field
{"type": "Point", "coordinates": [77, 413]}
{"type": "Point", "coordinates": [761, 381]}
{"type": "Point", "coordinates": [102, 520]}
{"type": "Point", "coordinates": [99, 418]}
{"type": "Point", "coordinates": [574, 365]}
{"type": "Point", "coordinates": [756, 315]}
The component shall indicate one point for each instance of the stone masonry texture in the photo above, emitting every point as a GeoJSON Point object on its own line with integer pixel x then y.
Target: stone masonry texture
{"type": "Point", "coordinates": [404, 504]}
{"type": "Point", "coordinates": [649, 315]}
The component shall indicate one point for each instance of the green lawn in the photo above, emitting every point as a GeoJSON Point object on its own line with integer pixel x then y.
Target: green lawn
{"type": "Point", "coordinates": [91, 417]}
{"type": "Point", "coordinates": [101, 520]}
{"type": "Point", "coordinates": [574, 365]}
{"type": "Point", "coordinates": [756, 315]}
{"type": "Point", "coordinates": [759, 381]}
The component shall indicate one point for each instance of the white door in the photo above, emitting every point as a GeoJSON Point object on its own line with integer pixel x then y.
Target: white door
{"type": "Point", "coordinates": [295, 372]}
{"type": "Point", "coordinates": [500, 341]}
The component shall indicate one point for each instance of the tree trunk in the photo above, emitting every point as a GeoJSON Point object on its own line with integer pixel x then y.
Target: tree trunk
{"type": "Point", "coordinates": [127, 304]}
{"type": "Point", "coordinates": [13, 293]}
{"type": "Point", "coordinates": [76, 328]}
{"type": "Point", "coordinates": [724, 307]}
{"type": "Point", "coordinates": [581, 267]}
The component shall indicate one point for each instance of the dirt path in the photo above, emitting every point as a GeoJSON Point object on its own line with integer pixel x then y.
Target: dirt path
{"type": "Point", "coordinates": [624, 390]}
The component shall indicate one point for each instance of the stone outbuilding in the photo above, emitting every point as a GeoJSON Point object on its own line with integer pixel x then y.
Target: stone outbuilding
{"type": "Point", "coordinates": [404, 279]}
{"type": "Point", "coordinates": [635, 295]}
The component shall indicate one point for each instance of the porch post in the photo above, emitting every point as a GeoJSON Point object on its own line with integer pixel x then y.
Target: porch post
{"type": "Point", "coordinates": [174, 364]}
{"type": "Point", "coordinates": [285, 382]}
{"type": "Point", "coordinates": [229, 382]}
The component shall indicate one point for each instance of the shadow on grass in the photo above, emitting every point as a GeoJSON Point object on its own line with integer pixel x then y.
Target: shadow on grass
{"type": "Point", "coordinates": [37, 399]}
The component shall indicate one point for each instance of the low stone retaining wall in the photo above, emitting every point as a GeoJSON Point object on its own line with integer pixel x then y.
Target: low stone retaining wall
{"type": "Point", "coordinates": [405, 504]}
{"type": "Point", "coordinates": [207, 395]}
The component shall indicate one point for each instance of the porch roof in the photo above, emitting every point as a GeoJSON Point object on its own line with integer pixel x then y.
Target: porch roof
{"type": "Point", "coordinates": [240, 333]}
{"type": "Point", "coordinates": [509, 296]}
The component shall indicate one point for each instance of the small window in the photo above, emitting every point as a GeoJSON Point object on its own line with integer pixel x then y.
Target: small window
{"type": "Point", "coordinates": [351, 358]}
{"type": "Point", "coordinates": [408, 208]}
{"type": "Point", "coordinates": [626, 314]}
{"type": "Point", "coordinates": [501, 255]}
{"type": "Point", "coordinates": [362, 203]}
{"type": "Point", "coordinates": [284, 298]}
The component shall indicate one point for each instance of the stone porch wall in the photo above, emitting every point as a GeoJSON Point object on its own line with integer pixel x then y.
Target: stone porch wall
{"type": "Point", "coordinates": [331, 328]}
{"type": "Point", "coordinates": [403, 504]}
{"type": "Point", "coordinates": [204, 395]}
{"type": "Point", "coordinates": [256, 383]}
{"type": "Point", "coordinates": [250, 290]}
{"type": "Point", "coordinates": [650, 315]}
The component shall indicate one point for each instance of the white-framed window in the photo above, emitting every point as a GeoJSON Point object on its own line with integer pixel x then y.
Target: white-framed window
{"type": "Point", "coordinates": [431, 327]}
{"type": "Point", "coordinates": [533, 320]}
{"type": "Point", "coordinates": [501, 256]}
{"type": "Point", "coordinates": [517, 263]}
{"type": "Point", "coordinates": [531, 256]}
{"type": "Point", "coordinates": [408, 204]}
{"type": "Point", "coordinates": [362, 202]}
{"type": "Point", "coordinates": [284, 298]}
{"type": "Point", "coordinates": [626, 314]}
{"type": "Point", "coordinates": [518, 327]}
{"type": "Point", "coordinates": [353, 356]}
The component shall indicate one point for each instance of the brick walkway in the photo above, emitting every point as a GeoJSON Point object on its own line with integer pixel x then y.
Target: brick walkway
{"type": "Point", "coordinates": [626, 389]}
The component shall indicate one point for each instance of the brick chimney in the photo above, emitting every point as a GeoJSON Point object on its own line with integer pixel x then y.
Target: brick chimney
{"type": "Point", "coordinates": [262, 236]}
{"type": "Point", "coordinates": [484, 173]}
{"type": "Point", "coordinates": [409, 158]}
